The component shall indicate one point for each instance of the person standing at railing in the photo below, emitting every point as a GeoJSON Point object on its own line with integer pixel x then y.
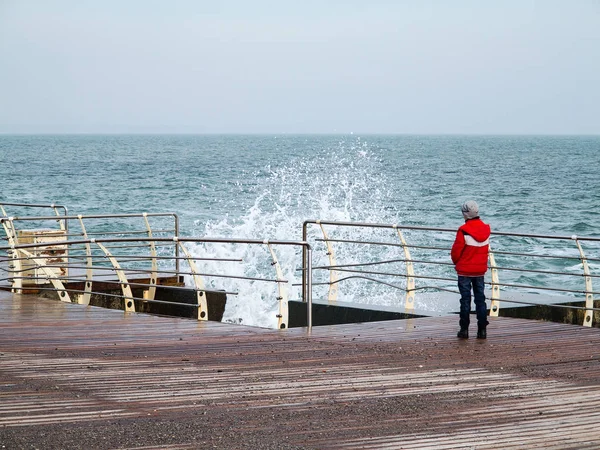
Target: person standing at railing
{"type": "Point", "coordinates": [470, 256]}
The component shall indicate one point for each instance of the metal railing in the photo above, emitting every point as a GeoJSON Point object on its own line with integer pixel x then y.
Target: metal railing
{"type": "Point", "coordinates": [420, 258]}
{"type": "Point", "coordinates": [131, 252]}
{"type": "Point", "coordinates": [70, 255]}
{"type": "Point", "coordinates": [73, 279]}
{"type": "Point", "coordinates": [38, 229]}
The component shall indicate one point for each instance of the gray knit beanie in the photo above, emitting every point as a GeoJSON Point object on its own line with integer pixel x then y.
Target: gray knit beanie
{"type": "Point", "coordinates": [470, 209]}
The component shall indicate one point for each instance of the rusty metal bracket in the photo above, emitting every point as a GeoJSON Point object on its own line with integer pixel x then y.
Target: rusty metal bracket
{"type": "Point", "coordinates": [282, 317]}
{"type": "Point", "coordinates": [333, 274]}
{"type": "Point", "coordinates": [495, 303]}
{"type": "Point", "coordinates": [410, 273]}
{"type": "Point", "coordinates": [198, 282]}
{"type": "Point", "coordinates": [50, 275]}
{"type": "Point", "coordinates": [589, 297]}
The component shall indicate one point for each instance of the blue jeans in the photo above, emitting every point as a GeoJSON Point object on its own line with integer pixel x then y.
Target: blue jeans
{"type": "Point", "coordinates": [464, 286]}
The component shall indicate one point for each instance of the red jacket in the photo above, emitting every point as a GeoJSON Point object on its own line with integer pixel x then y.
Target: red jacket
{"type": "Point", "coordinates": [470, 248]}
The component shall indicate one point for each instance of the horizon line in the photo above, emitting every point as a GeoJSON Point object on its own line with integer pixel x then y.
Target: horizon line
{"type": "Point", "coordinates": [349, 133]}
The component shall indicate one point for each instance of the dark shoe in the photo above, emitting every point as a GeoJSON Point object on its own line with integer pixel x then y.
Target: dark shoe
{"type": "Point", "coordinates": [481, 333]}
{"type": "Point", "coordinates": [463, 333]}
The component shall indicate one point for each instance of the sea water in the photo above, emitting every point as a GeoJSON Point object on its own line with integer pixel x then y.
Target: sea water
{"type": "Point", "coordinates": [265, 186]}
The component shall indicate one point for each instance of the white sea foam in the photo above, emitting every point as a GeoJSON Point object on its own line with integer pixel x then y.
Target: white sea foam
{"type": "Point", "coordinates": [341, 184]}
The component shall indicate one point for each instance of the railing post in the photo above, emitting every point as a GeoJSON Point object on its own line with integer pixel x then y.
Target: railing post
{"type": "Point", "coordinates": [62, 223]}
{"type": "Point", "coordinates": [589, 297]}
{"type": "Point", "coordinates": [410, 273]}
{"type": "Point", "coordinates": [495, 303]}
{"type": "Point", "coordinates": [282, 317]}
{"type": "Point", "coordinates": [89, 273]}
{"type": "Point", "coordinates": [308, 272]}
{"type": "Point", "coordinates": [198, 282]}
{"type": "Point", "coordinates": [176, 220]}
{"type": "Point", "coordinates": [333, 274]}
{"type": "Point", "coordinates": [154, 273]}
{"type": "Point", "coordinates": [304, 239]}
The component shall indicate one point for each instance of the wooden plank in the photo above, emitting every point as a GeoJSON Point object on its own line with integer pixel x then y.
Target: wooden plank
{"type": "Point", "coordinates": [73, 376]}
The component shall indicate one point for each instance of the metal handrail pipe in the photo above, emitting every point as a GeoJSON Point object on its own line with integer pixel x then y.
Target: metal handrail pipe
{"type": "Point", "coordinates": [351, 241]}
{"type": "Point", "coordinates": [96, 267]}
{"type": "Point", "coordinates": [452, 230]}
{"type": "Point", "coordinates": [138, 271]}
{"type": "Point", "coordinates": [553, 305]}
{"type": "Point", "coordinates": [205, 240]}
{"type": "Point", "coordinates": [419, 261]}
{"type": "Point", "coordinates": [84, 257]}
{"type": "Point", "coordinates": [108, 233]}
{"type": "Point", "coordinates": [111, 247]}
{"type": "Point", "coordinates": [116, 282]}
{"type": "Point", "coordinates": [524, 286]}
{"type": "Point", "coordinates": [376, 225]}
{"type": "Point", "coordinates": [116, 233]}
{"type": "Point", "coordinates": [90, 216]}
{"type": "Point", "coordinates": [177, 288]}
{"type": "Point", "coordinates": [573, 291]}
{"type": "Point", "coordinates": [103, 268]}
{"type": "Point", "coordinates": [574, 257]}
{"type": "Point", "coordinates": [389, 244]}
{"type": "Point", "coordinates": [545, 236]}
{"type": "Point", "coordinates": [376, 263]}
{"type": "Point", "coordinates": [429, 247]}
{"type": "Point", "coordinates": [447, 249]}
{"type": "Point", "coordinates": [34, 205]}
{"type": "Point", "coordinates": [363, 278]}
{"type": "Point", "coordinates": [77, 257]}
{"type": "Point", "coordinates": [126, 297]}
{"type": "Point", "coordinates": [401, 275]}
{"type": "Point", "coordinates": [134, 257]}
{"type": "Point", "coordinates": [437, 288]}
{"type": "Point", "coordinates": [546, 272]}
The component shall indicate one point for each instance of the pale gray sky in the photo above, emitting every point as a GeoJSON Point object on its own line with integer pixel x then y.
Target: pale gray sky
{"type": "Point", "coordinates": [304, 66]}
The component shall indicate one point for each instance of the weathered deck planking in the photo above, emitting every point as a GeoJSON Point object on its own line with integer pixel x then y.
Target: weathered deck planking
{"type": "Point", "coordinates": [85, 377]}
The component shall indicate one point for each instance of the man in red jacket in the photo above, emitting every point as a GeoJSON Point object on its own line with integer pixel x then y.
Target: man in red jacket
{"type": "Point", "coordinates": [470, 258]}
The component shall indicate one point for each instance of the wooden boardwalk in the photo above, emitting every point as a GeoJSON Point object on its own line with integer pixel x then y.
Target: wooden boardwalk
{"type": "Point", "coordinates": [83, 377]}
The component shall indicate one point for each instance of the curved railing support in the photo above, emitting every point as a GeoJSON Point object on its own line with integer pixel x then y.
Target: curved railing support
{"type": "Point", "coordinates": [410, 273]}
{"type": "Point", "coordinates": [198, 282]}
{"type": "Point", "coordinates": [282, 316]}
{"type": "Point", "coordinates": [495, 303]}
{"type": "Point", "coordinates": [589, 297]}
{"type": "Point", "coordinates": [127, 294]}
{"type": "Point", "coordinates": [333, 274]}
